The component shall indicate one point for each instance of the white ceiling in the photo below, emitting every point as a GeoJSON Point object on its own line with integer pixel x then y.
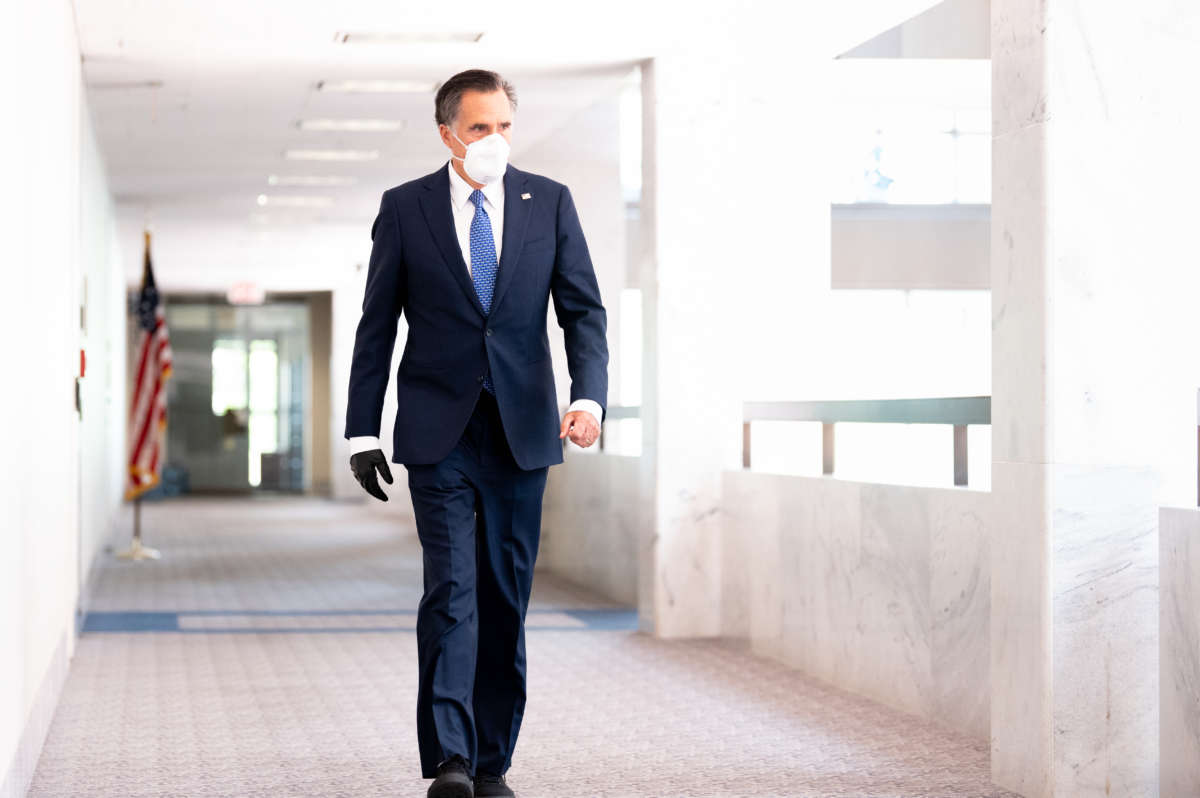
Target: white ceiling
{"type": "Point", "coordinates": [237, 75]}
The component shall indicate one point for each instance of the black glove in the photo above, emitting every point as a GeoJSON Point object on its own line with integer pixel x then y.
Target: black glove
{"type": "Point", "coordinates": [363, 464]}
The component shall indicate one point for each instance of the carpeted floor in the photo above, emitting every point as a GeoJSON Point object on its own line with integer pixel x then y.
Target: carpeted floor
{"type": "Point", "coordinates": [271, 653]}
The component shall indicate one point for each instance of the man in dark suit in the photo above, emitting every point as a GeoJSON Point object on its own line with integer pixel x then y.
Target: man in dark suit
{"type": "Point", "coordinates": [472, 253]}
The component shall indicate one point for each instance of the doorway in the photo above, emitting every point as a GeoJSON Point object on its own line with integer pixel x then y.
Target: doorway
{"type": "Point", "coordinates": [238, 399]}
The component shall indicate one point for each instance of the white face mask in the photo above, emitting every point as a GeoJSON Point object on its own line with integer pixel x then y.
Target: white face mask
{"type": "Point", "coordinates": [486, 158]}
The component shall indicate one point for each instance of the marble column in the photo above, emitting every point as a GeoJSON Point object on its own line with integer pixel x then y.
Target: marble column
{"type": "Point", "coordinates": [690, 416]}
{"type": "Point", "coordinates": [1096, 360]}
{"type": "Point", "coordinates": [735, 197]}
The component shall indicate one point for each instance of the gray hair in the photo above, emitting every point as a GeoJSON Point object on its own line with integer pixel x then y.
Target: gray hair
{"type": "Point", "coordinates": [449, 95]}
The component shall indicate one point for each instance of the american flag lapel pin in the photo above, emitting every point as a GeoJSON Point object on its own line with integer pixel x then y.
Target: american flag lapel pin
{"type": "Point", "coordinates": [526, 195]}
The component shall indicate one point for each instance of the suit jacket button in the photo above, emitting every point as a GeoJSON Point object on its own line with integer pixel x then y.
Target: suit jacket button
{"type": "Point", "coordinates": [480, 378]}
{"type": "Point", "coordinates": [489, 330]}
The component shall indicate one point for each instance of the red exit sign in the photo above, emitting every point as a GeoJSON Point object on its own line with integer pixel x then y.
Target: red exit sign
{"type": "Point", "coordinates": [245, 294]}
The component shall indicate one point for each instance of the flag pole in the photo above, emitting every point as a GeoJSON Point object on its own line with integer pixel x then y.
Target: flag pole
{"type": "Point", "coordinates": [136, 550]}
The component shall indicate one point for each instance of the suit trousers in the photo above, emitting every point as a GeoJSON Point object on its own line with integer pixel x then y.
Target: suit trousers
{"type": "Point", "coordinates": [479, 521]}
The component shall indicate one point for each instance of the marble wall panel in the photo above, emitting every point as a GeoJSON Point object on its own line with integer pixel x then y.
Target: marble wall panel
{"type": "Point", "coordinates": [1179, 662]}
{"type": "Point", "coordinates": [1022, 722]}
{"type": "Point", "coordinates": [882, 590]}
{"type": "Point", "coordinates": [593, 512]}
{"type": "Point", "coordinates": [1105, 630]}
{"type": "Point", "coordinates": [961, 524]}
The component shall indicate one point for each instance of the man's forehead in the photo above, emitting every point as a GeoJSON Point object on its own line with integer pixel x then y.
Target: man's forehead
{"type": "Point", "coordinates": [475, 103]}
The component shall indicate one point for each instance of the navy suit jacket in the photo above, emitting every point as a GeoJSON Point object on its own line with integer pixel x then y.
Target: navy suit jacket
{"type": "Point", "coordinates": [417, 267]}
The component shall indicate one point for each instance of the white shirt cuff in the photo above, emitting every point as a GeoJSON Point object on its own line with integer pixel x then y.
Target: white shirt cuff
{"type": "Point", "coordinates": [590, 405]}
{"type": "Point", "coordinates": [363, 443]}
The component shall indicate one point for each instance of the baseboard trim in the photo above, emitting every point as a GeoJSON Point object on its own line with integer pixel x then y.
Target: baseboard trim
{"type": "Point", "coordinates": [19, 775]}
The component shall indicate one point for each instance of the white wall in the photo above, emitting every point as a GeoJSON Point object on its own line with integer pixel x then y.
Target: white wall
{"type": "Point", "coordinates": [102, 445]}
{"type": "Point", "coordinates": [55, 224]}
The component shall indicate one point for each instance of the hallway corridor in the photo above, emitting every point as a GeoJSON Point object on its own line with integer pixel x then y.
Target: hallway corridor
{"type": "Point", "coordinates": [271, 653]}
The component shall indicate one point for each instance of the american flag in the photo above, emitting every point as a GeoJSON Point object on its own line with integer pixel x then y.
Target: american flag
{"type": "Point", "coordinates": [148, 403]}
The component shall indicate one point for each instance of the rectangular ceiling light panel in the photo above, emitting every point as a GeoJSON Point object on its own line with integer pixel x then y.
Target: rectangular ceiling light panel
{"type": "Point", "coordinates": [353, 125]}
{"type": "Point", "coordinates": [309, 180]}
{"type": "Point", "coordinates": [408, 37]}
{"type": "Point", "coordinates": [331, 155]}
{"type": "Point", "coordinates": [377, 86]}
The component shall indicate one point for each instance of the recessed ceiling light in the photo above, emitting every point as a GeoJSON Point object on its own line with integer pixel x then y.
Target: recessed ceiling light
{"type": "Point", "coordinates": [376, 86]}
{"type": "Point", "coordinates": [409, 37]}
{"type": "Point", "coordinates": [331, 155]}
{"type": "Point", "coordinates": [309, 180]}
{"type": "Point", "coordinates": [294, 201]}
{"type": "Point", "coordinates": [125, 84]}
{"type": "Point", "coordinates": [354, 125]}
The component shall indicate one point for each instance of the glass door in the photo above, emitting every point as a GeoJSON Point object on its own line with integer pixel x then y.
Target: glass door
{"type": "Point", "coordinates": [236, 406]}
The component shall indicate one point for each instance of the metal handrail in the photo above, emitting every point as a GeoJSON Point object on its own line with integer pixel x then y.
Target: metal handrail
{"type": "Point", "coordinates": [616, 413]}
{"type": "Point", "coordinates": [959, 411]}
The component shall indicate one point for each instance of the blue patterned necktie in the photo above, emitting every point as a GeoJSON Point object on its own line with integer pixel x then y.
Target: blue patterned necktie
{"type": "Point", "coordinates": [483, 264]}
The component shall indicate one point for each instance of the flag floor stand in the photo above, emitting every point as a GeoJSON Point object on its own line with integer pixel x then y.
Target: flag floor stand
{"type": "Point", "coordinates": [139, 552]}
{"type": "Point", "coordinates": [136, 550]}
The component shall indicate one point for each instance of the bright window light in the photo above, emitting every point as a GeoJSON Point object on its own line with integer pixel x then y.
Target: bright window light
{"type": "Point", "coordinates": [264, 404]}
{"type": "Point", "coordinates": [228, 375]}
{"type": "Point", "coordinates": [911, 131]}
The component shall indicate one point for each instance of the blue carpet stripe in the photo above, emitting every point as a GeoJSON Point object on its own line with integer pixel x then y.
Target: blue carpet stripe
{"type": "Point", "coordinates": [142, 621]}
{"type": "Point", "coordinates": [131, 622]}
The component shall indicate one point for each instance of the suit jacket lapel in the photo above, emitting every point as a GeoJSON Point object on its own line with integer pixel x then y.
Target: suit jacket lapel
{"type": "Point", "coordinates": [439, 215]}
{"type": "Point", "coordinates": [516, 222]}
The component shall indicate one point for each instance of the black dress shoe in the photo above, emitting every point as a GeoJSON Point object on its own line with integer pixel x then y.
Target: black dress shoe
{"type": "Point", "coordinates": [488, 785]}
{"type": "Point", "coordinates": [453, 779]}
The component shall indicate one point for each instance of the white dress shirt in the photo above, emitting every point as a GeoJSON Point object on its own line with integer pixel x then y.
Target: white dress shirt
{"type": "Point", "coordinates": [464, 213]}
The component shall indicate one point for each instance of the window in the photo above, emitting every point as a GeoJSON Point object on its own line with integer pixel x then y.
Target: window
{"type": "Point", "coordinates": [911, 132]}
